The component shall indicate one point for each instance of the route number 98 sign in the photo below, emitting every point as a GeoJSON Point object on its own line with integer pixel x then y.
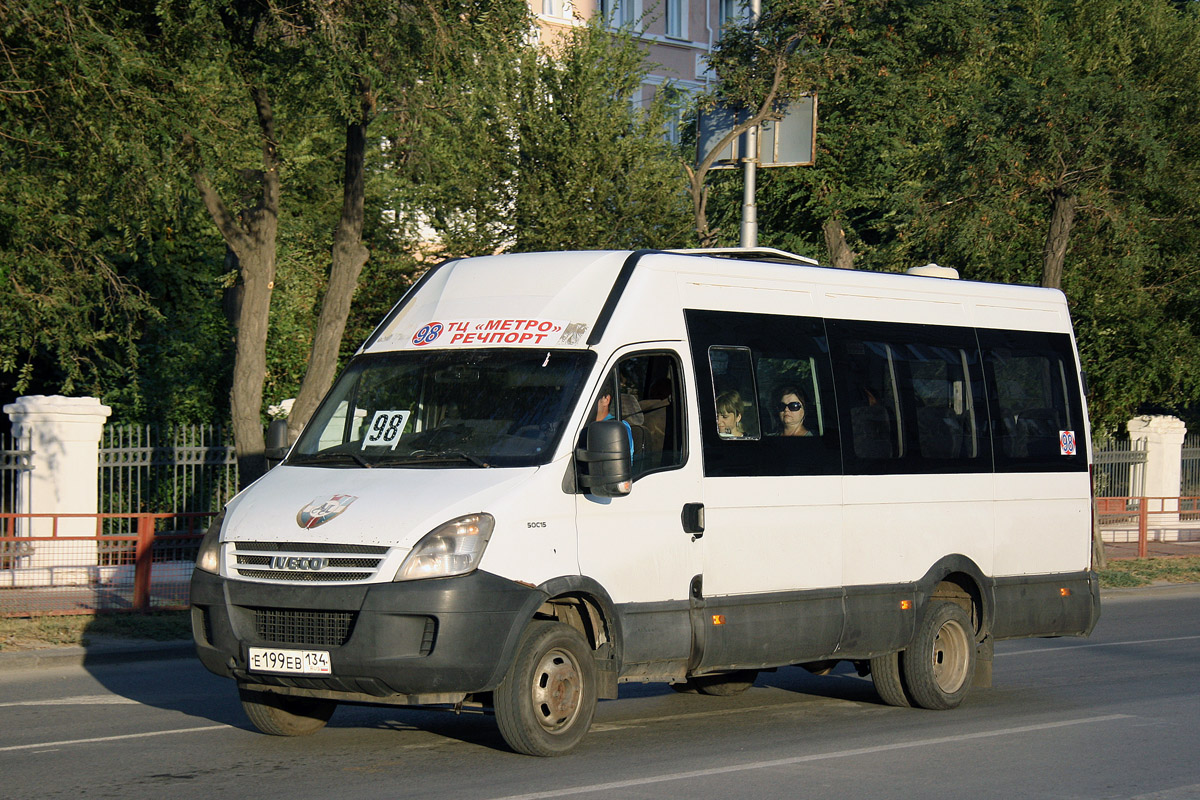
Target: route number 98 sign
{"type": "Point", "coordinates": [385, 429]}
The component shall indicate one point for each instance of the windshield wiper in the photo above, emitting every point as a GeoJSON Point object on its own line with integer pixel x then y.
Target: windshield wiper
{"type": "Point", "coordinates": [427, 456]}
{"type": "Point", "coordinates": [330, 458]}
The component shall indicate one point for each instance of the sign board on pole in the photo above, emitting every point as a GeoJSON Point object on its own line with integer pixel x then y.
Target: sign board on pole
{"type": "Point", "coordinates": [787, 142]}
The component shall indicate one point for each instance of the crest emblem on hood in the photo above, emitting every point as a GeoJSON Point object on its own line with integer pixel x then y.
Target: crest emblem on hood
{"type": "Point", "coordinates": [323, 509]}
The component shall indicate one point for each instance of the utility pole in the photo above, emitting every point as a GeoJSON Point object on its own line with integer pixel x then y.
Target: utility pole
{"type": "Point", "coordinates": [750, 165]}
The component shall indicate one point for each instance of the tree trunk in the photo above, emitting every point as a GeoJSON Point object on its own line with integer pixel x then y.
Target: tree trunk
{"type": "Point", "coordinates": [840, 254]}
{"type": "Point", "coordinates": [251, 236]}
{"type": "Point", "coordinates": [349, 256]}
{"type": "Point", "coordinates": [1062, 217]}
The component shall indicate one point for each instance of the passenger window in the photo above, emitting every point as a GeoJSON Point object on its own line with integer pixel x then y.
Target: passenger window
{"type": "Point", "coordinates": [645, 395]}
{"type": "Point", "coordinates": [912, 397]}
{"type": "Point", "coordinates": [875, 419]}
{"type": "Point", "coordinates": [945, 406]}
{"type": "Point", "coordinates": [1036, 409]}
{"type": "Point", "coordinates": [734, 393]}
{"type": "Point", "coordinates": [779, 368]}
{"type": "Point", "coordinates": [791, 395]}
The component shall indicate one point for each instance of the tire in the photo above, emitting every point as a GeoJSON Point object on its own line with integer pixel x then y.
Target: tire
{"type": "Point", "coordinates": [938, 666]}
{"type": "Point", "coordinates": [281, 715]}
{"type": "Point", "coordinates": [885, 673]}
{"type": "Point", "coordinates": [725, 684]}
{"type": "Point", "coordinates": [545, 703]}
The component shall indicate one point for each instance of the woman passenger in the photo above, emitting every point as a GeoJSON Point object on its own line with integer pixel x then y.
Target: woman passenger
{"type": "Point", "coordinates": [792, 409]}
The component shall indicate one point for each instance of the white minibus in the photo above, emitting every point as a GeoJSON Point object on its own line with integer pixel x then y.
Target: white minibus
{"type": "Point", "coordinates": [547, 474]}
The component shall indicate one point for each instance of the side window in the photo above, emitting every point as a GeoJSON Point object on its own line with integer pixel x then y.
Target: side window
{"type": "Point", "coordinates": [734, 393]}
{"type": "Point", "coordinates": [872, 400]}
{"type": "Point", "coordinates": [791, 395]}
{"type": "Point", "coordinates": [911, 398]}
{"type": "Point", "coordinates": [775, 370]}
{"type": "Point", "coordinates": [644, 392]}
{"type": "Point", "coordinates": [1036, 410]}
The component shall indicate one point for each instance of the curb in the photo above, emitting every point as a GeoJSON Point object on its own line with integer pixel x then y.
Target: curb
{"type": "Point", "coordinates": [107, 652]}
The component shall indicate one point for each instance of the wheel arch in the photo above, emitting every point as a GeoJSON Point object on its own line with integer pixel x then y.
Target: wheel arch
{"type": "Point", "coordinates": [582, 603]}
{"type": "Point", "coordinates": [959, 579]}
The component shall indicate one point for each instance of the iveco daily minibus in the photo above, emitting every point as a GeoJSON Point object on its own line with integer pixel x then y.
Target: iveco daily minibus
{"type": "Point", "coordinates": [547, 474]}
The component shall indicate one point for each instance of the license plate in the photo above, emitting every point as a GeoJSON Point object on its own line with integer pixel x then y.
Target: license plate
{"type": "Point", "coordinates": [295, 662]}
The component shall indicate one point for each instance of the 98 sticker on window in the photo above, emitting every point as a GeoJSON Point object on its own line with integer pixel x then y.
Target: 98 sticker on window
{"type": "Point", "coordinates": [295, 662]}
{"type": "Point", "coordinates": [385, 429]}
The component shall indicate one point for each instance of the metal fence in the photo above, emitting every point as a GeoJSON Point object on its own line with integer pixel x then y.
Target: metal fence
{"type": "Point", "coordinates": [1189, 479]}
{"type": "Point", "coordinates": [1119, 468]}
{"type": "Point", "coordinates": [68, 564]}
{"type": "Point", "coordinates": [14, 468]}
{"type": "Point", "coordinates": [176, 470]}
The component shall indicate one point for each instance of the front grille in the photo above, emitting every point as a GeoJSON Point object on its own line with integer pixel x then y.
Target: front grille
{"type": "Point", "coordinates": [302, 577]}
{"type": "Point", "coordinates": [313, 628]}
{"type": "Point", "coordinates": [268, 561]}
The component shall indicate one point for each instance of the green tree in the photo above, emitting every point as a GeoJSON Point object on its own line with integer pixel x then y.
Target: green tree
{"type": "Point", "coordinates": [558, 154]}
{"type": "Point", "coordinates": [72, 177]}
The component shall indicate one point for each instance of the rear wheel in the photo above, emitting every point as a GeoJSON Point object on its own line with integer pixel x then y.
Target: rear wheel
{"type": "Point", "coordinates": [885, 672]}
{"type": "Point", "coordinates": [282, 715]}
{"type": "Point", "coordinates": [545, 703]}
{"type": "Point", "coordinates": [939, 664]}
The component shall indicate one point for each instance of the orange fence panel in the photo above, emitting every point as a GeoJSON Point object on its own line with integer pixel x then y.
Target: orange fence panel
{"type": "Point", "coordinates": [1142, 527]}
{"type": "Point", "coordinates": [66, 564]}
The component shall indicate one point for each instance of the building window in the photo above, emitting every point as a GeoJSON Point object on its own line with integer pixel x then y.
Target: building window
{"type": "Point", "coordinates": [728, 11]}
{"type": "Point", "coordinates": [676, 18]}
{"type": "Point", "coordinates": [557, 8]}
{"type": "Point", "coordinates": [619, 13]}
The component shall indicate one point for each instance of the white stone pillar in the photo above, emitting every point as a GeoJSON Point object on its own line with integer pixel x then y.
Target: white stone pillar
{"type": "Point", "coordinates": [64, 435]}
{"type": "Point", "coordinates": [1162, 438]}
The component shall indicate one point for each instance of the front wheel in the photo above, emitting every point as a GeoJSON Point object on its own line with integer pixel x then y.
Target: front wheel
{"type": "Point", "coordinates": [282, 715]}
{"type": "Point", "coordinates": [545, 703]}
{"type": "Point", "coordinates": [939, 664]}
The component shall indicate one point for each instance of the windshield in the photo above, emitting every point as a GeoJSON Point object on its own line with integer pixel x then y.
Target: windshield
{"type": "Point", "coordinates": [446, 408]}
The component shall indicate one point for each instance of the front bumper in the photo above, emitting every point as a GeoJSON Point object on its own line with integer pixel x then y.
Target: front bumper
{"type": "Point", "coordinates": [430, 637]}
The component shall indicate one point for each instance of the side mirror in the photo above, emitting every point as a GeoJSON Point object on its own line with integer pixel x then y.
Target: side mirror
{"type": "Point", "coordinates": [277, 443]}
{"type": "Point", "coordinates": [607, 458]}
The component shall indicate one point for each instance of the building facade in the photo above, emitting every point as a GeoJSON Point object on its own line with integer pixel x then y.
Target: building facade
{"type": "Point", "coordinates": [678, 34]}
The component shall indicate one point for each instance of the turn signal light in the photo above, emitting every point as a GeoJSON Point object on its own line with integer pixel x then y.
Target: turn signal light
{"type": "Point", "coordinates": [906, 605]}
{"type": "Point", "coordinates": [1064, 592]}
{"type": "Point", "coordinates": [718, 619]}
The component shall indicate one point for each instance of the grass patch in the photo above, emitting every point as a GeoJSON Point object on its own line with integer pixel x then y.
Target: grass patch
{"type": "Point", "coordinates": [40, 632]}
{"type": "Point", "coordinates": [1145, 571]}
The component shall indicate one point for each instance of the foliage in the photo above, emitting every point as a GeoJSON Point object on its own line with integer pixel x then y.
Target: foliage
{"type": "Point", "coordinates": [949, 130]}
{"type": "Point", "coordinates": [957, 131]}
{"type": "Point", "coordinates": [562, 153]}
{"type": "Point", "coordinates": [72, 174]}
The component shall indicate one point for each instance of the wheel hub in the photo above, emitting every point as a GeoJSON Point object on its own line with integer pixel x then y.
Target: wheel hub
{"type": "Point", "coordinates": [557, 690]}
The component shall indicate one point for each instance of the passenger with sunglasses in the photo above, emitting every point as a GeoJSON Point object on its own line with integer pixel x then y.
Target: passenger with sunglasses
{"type": "Point", "coordinates": [792, 407]}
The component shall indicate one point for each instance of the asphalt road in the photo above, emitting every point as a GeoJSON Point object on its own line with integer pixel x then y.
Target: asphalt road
{"type": "Point", "coordinates": [1117, 715]}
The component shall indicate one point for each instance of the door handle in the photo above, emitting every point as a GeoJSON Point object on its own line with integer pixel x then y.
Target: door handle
{"type": "Point", "coordinates": [693, 519]}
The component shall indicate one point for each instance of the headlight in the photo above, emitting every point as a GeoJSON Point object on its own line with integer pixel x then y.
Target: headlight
{"type": "Point", "coordinates": [453, 548]}
{"type": "Point", "coordinates": [208, 557]}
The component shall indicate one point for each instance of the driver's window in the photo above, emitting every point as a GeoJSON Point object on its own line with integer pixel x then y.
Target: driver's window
{"type": "Point", "coordinates": [643, 391]}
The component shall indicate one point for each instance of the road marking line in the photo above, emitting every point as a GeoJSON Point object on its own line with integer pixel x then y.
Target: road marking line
{"type": "Point", "coordinates": [83, 700]}
{"type": "Point", "coordinates": [111, 738]}
{"type": "Point", "coordinates": [784, 762]}
{"type": "Point", "coordinates": [1065, 648]}
{"type": "Point", "coordinates": [605, 727]}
